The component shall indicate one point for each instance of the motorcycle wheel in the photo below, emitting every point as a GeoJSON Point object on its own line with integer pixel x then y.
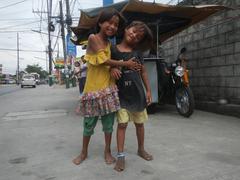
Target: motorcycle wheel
{"type": "Point", "coordinates": [184, 101]}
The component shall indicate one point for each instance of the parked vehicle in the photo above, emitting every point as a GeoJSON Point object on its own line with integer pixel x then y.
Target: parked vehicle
{"type": "Point", "coordinates": [28, 80]}
{"type": "Point", "coordinates": [11, 81]}
{"type": "Point", "coordinates": [172, 86]}
{"type": "Point", "coordinates": [37, 77]}
{"type": "Point", "coordinates": [3, 81]}
{"type": "Point", "coordinates": [7, 79]}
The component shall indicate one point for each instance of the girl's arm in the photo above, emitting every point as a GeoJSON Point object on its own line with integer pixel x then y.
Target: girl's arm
{"type": "Point", "coordinates": [115, 73]}
{"type": "Point", "coordinates": [131, 64]}
{"type": "Point", "coordinates": [94, 46]}
{"type": "Point", "coordinates": [147, 85]}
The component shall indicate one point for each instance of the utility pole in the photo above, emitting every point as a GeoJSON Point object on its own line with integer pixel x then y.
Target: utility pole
{"type": "Point", "coordinates": [49, 42]}
{"type": "Point", "coordinates": [64, 45]}
{"type": "Point", "coordinates": [69, 34]}
{"type": "Point", "coordinates": [68, 18]}
{"type": "Point", "coordinates": [47, 61]}
{"type": "Point", "coordinates": [58, 51]}
{"type": "Point", "coordinates": [17, 74]}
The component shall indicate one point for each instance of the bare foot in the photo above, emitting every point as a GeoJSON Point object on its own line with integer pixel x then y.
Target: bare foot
{"type": "Point", "coordinates": [120, 164]}
{"type": "Point", "coordinates": [79, 159]}
{"type": "Point", "coordinates": [109, 159]}
{"type": "Point", "coordinates": [143, 154]}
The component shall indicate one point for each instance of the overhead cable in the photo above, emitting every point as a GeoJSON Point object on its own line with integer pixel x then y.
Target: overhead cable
{"type": "Point", "coordinates": [12, 4]}
{"type": "Point", "coordinates": [18, 25]}
{"type": "Point", "coordinates": [6, 49]}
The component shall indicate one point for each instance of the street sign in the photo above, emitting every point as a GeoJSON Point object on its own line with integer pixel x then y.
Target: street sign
{"type": "Point", "coordinates": [71, 48]}
{"type": "Point", "coordinates": [107, 2]}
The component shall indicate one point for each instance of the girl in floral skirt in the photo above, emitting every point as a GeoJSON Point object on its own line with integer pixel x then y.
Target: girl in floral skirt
{"type": "Point", "coordinates": [100, 96]}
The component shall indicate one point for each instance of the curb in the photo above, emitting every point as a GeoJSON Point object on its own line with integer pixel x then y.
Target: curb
{"type": "Point", "coordinates": [225, 109]}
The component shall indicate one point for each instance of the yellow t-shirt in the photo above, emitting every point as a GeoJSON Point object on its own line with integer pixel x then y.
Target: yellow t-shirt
{"type": "Point", "coordinates": [98, 75]}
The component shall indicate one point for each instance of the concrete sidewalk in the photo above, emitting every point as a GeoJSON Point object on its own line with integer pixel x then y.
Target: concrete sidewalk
{"type": "Point", "coordinates": [40, 134]}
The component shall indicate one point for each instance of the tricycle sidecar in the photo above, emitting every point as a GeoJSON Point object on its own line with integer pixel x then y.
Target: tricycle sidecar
{"type": "Point", "coordinates": [168, 86]}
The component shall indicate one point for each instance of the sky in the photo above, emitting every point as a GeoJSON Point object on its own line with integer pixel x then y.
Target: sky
{"type": "Point", "coordinates": [23, 17]}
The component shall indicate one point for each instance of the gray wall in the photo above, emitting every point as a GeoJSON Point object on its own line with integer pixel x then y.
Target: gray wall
{"type": "Point", "coordinates": [214, 54]}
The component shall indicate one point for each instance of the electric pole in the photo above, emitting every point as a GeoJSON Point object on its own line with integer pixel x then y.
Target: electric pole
{"type": "Point", "coordinates": [49, 41]}
{"type": "Point", "coordinates": [69, 34]}
{"type": "Point", "coordinates": [68, 18]}
{"type": "Point", "coordinates": [17, 74]}
{"type": "Point", "coordinates": [47, 60]}
{"type": "Point", "coordinates": [63, 33]}
{"type": "Point", "coordinates": [64, 45]}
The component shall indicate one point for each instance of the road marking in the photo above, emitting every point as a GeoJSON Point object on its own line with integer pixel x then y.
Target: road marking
{"type": "Point", "coordinates": [14, 116]}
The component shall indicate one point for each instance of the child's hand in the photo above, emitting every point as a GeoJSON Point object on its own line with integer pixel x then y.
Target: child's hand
{"type": "Point", "coordinates": [133, 64]}
{"type": "Point", "coordinates": [115, 73]}
{"type": "Point", "coordinates": [148, 97]}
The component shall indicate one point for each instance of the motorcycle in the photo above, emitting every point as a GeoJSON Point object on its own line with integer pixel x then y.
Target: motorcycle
{"type": "Point", "coordinates": [169, 84]}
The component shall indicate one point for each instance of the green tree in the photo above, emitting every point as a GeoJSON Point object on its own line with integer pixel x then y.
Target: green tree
{"type": "Point", "coordinates": [36, 69]}
{"type": "Point", "coordinates": [43, 74]}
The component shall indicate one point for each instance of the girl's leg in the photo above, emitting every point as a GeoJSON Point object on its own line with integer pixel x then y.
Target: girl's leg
{"type": "Point", "coordinates": [89, 124]}
{"type": "Point", "coordinates": [121, 131]}
{"type": "Point", "coordinates": [79, 86]}
{"type": "Point", "coordinates": [107, 123]}
{"type": "Point", "coordinates": [83, 83]}
{"type": "Point", "coordinates": [107, 152]}
{"type": "Point", "coordinates": [140, 137]}
{"type": "Point", "coordinates": [84, 152]}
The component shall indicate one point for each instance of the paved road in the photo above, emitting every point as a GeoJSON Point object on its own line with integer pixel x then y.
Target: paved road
{"type": "Point", "coordinates": [40, 134]}
{"type": "Point", "coordinates": [6, 89]}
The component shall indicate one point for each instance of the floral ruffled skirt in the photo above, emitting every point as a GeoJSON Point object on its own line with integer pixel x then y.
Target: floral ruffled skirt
{"type": "Point", "coordinates": [100, 103]}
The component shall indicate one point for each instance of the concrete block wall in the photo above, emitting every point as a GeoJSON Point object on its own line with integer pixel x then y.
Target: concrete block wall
{"type": "Point", "coordinates": [213, 52]}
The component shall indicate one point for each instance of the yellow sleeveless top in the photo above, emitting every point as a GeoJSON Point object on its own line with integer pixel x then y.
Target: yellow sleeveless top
{"type": "Point", "coordinates": [98, 75]}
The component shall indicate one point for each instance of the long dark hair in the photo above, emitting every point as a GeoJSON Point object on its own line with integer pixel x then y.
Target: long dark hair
{"type": "Point", "coordinates": [147, 40]}
{"type": "Point", "coordinates": [106, 15]}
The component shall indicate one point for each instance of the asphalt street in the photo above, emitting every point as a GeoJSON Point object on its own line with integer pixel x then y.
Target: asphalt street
{"type": "Point", "coordinates": [5, 89]}
{"type": "Point", "coordinates": [40, 134]}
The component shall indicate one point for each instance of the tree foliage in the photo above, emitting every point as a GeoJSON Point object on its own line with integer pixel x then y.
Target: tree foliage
{"type": "Point", "coordinates": [36, 69]}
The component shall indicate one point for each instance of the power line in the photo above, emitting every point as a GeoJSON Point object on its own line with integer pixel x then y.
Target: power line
{"type": "Point", "coordinates": [12, 4]}
{"type": "Point", "coordinates": [55, 9]}
{"type": "Point", "coordinates": [14, 31]}
{"type": "Point", "coordinates": [56, 40]}
{"type": "Point", "coordinates": [18, 25]}
{"type": "Point", "coordinates": [40, 58]}
{"type": "Point", "coordinates": [80, 6]}
{"type": "Point", "coordinates": [18, 19]}
{"type": "Point", "coordinates": [40, 28]}
{"type": "Point", "coordinates": [41, 17]}
{"type": "Point", "coordinates": [73, 6]}
{"type": "Point", "coordinates": [45, 33]}
{"type": "Point", "coordinates": [6, 49]}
